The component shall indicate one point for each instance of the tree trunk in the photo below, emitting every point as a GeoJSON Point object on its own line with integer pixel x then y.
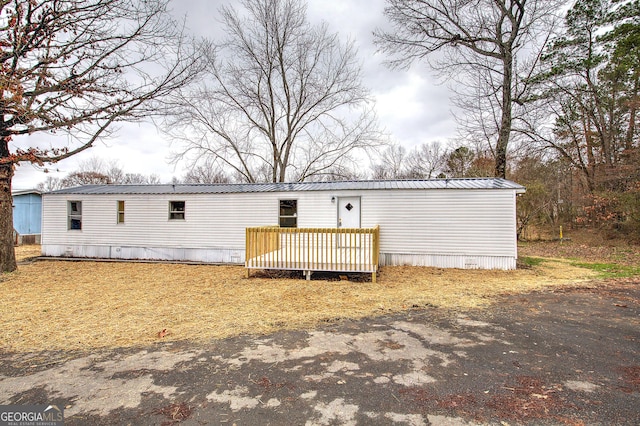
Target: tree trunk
{"type": "Point", "coordinates": [634, 102]}
{"type": "Point", "coordinates": [7, 253]}
{"type": "Point", "coordinates": [591, 159]}
{"type": "Point", "coordinates": [504, 132]}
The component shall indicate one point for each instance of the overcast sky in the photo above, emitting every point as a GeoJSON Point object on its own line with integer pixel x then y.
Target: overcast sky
{"type": "Point", "coordinates": [411, 106]}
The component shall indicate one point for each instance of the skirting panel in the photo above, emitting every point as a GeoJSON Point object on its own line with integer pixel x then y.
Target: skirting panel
{"type": "Point", "coordinates": [448, 261]}
{"type": "Point", "coordinates": [206, 255]}
{"type": "Point", "coordinates": [235, 256]}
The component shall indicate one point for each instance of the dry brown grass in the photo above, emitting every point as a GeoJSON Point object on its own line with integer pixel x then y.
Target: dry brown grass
{"type": "Point", "coordinates": [27, 252]}
{"type": "Point", "coordinates": [49, 305]}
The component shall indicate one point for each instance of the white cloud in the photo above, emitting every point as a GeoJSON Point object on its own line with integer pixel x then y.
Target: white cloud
{"type": "Point", "coordinates": [410, 105]}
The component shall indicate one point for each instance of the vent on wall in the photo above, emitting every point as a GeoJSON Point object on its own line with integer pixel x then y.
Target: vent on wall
{"type": "Point", "coordinates": [471, 263]}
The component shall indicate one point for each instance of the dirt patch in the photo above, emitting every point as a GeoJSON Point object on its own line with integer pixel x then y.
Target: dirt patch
{"type": "Point", "coordinates": [82, 305]}
{"type": "Point", "coordinates": [175, 413]}
{"type": "Point", "coordinates": [527, 399]}
{"type": "Point", "coordinates": [630, 376]}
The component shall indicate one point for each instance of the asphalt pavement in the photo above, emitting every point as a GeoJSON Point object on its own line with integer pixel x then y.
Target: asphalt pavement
{"type": "Point", "coordinates": [562, 357]}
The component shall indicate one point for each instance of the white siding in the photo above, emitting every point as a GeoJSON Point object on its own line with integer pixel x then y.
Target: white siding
{"type": "Point", "coordinates": [213, 229]}
{"type": "Point", "coordinates": [444, 222]}
{"type": "Point", "coordinates": [446, 228]}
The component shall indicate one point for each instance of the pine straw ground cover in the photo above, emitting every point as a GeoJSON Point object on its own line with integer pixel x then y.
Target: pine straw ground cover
{"type": "Point", "coordinates": [51, 305]}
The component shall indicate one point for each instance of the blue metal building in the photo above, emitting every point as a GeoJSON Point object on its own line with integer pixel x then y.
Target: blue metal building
{"type": "Point", "coordinates": [27, 216]}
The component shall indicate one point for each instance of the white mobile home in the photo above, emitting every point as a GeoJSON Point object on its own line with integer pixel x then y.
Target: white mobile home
{"type": "Point", "coordinates": [458, 223]}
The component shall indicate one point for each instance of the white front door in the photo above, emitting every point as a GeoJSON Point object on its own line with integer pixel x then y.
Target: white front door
{"type": "Point", "coordinates": [349, 212]}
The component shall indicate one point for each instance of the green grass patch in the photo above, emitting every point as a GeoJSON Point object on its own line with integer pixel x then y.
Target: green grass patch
{"type": "Point", "coordinates": [610, 270]}
{"type": "Point", "coordinates": [530, 261]}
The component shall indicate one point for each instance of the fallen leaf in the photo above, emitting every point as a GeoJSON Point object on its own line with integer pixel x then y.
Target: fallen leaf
{"type": "Point", "coordinates": [537, 395]}
{"type": "Point", "coordinates": [162, 333]}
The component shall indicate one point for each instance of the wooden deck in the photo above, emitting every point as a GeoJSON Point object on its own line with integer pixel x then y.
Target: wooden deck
{"type": "Point", "coordinates": [313, 249]}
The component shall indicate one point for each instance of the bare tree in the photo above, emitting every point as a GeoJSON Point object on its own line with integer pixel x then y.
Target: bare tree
{"type": "Point", "coordinates": [85, 178]}
{"type": "Point", "coordinates": [392, 163]}
{"type": "Point", "coordinates": [97, 171]}
{"type": "Point", "coordinates": [206, 173]}
{"type": "Point", "coordinates": [114, 173]}
{"type": "Point", "coordinates": [479, 44]}
{"type": "Point", "coordinates": [50, 184]}
{"type": "Point", "coordinates": [139, 179]}
{"type": "Point", "coordinates": [282, 101]}
{"type": "Point", "coordinates": [426, 161]}
{"type": "Point", "coordinates": [340, 172]}
{"type": "Point", "coordinates": [77, 67]}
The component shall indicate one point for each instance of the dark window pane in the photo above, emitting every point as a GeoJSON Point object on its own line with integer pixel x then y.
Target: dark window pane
{"type": "Point", "coordinates": [288, 213]}
{"type": "Point", "coordinates": [177, 206]}
{"type": "Point", "coordinates": [74, 215]}
{"type": "Point", "coordinates": [288, 222]}
{"type": "Point", "coordinates": [176, 210]}
{"type": "Point", "coordinates": [288, 207]}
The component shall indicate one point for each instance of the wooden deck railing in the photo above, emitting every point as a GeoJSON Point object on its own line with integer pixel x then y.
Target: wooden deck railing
{"type": "Point", "coordinates": [313, 249]}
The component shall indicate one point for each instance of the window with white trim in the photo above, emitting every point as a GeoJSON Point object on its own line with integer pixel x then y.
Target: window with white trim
{"type": "Point", "coordinates": [288, 214]}
{"type": "Point", "coordinates": [74, 215]}
{"type": "Point", "coordinates": [176, 210]}
{"type": "Point", "coordinates": [120, 212]}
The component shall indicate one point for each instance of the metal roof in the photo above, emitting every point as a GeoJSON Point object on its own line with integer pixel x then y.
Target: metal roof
{"type": "Point", "coordinates": [464, 183]}
{"type": "Point", "coordinates": [25, 192]}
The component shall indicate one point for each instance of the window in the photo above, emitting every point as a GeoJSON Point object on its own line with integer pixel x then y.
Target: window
{"type": "Point", "coordinates": [74, 215]}
{"type": "Point", "coordinates": [120, 211]}
{"type": "Point", "coordinates": [289, 213]}
{"type": "Point", "coordinates": [176, 210]}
